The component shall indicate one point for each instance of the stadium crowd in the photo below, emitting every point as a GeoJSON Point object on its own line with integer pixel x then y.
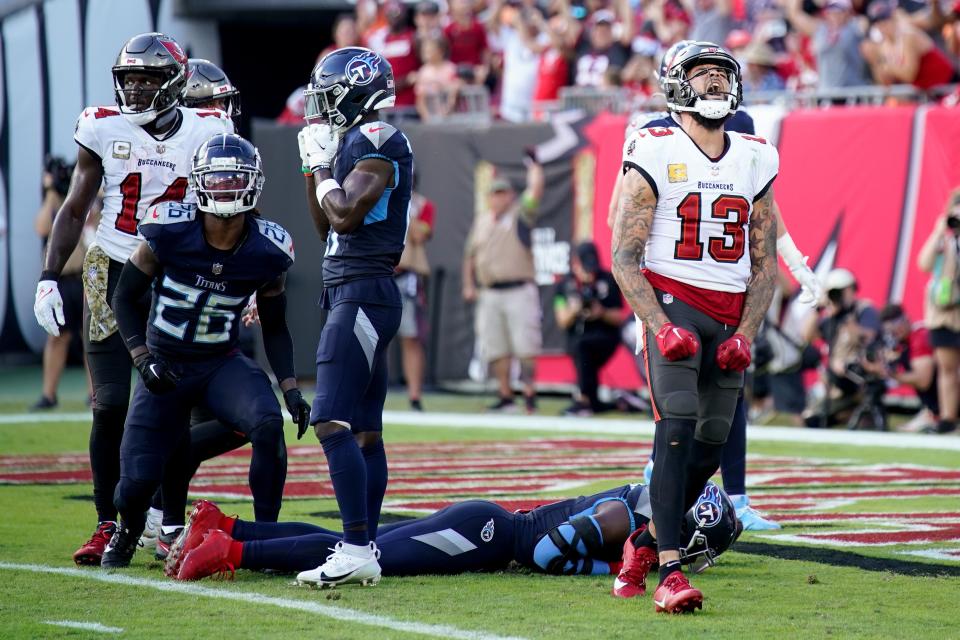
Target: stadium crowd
{"type": "Point", "coordinates": [523, 52]}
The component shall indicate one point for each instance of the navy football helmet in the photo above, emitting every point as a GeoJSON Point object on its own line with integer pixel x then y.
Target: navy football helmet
{"type": "Point", "coordinates": [226, 175]}
{"type": "Point", "coordinates": [712, 525]}
{"type": "Point", "coordinates": [681, 96]}
{"type": "Point", "coordinates": [346, 85]}
{"type": "Point", "coordinates": [156, 55]}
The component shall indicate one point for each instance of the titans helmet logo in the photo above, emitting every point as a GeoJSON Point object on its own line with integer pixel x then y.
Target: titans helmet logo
{"type": "Point", "coordinates": [709, 507]}
{"type": "Point", "coordinates": [362, 69]}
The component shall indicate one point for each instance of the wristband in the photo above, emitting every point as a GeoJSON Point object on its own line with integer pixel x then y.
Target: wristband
{"type": "Point", "coordinates": [326, 187]}
{"type": "Point", "coordinates": [49, 275]}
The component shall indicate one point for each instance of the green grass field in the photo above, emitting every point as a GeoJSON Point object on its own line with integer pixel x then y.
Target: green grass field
{"type": "Point", "coordinates": [776, 585]}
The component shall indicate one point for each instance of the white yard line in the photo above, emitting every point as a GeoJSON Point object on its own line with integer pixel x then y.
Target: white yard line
{"type": "Point", "coordinates": [586, 427]}
{"type": "Point", "coordinates": [340, 614]}
{"type": "Point", "coordinates": [86, 626]}
{"type": "Point", "coordinates": [589, 426]}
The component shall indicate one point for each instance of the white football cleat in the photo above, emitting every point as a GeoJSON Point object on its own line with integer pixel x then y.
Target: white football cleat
{"type": "Point", "coordinates": [345, 566]}
{"type": "Point", "coordinates": [148, 540]}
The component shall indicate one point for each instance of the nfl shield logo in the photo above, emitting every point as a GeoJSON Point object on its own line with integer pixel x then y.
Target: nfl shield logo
{"type": "Point", "coordinates": [217, 268]}
{"type": "Point", "coordinates": [161, 149]}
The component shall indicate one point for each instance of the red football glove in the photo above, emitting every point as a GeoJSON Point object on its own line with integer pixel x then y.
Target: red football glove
{"type": "Point", "coordinates": [676, 343]}
{"type": "Point", "coordinates": [734, 353]}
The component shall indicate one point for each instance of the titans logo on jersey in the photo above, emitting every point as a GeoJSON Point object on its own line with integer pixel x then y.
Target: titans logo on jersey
{"type": "Point", "coordinates": [374, 249]}
{"type": "Point", "coordinates": [201, 293]}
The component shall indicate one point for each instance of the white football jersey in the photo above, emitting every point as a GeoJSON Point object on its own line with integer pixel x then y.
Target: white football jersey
{"type": "Point", "coordinates": [701, 226]}
{"type": "Point", "coordinates": [139, 170]}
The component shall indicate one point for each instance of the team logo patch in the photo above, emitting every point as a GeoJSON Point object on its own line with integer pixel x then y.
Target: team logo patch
{"type": "Point", "coordinates": [677, 172]}
{"type": "Point", "coordinates": [709, 508]}
{"type": "Point", "coordinates": [667, 298]}
{"type": "Point", "coordinates": [486, 534]}
{"type": "Point", "coordinates": [121, 150]}
{"type": "Point", "coordinates": [217, 268]}
{"type": "Point", "coordinates": [161, 149]}
{"type": "Point", "coordinates": [362, 69]}
{"type": "Point", "coordinates": [715, 170]}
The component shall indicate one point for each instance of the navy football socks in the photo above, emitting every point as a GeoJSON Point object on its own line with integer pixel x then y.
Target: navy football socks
{"type": "Point", "coordinates": [348, 473]}
{"type": "Point", "coordinates": [376, 460]}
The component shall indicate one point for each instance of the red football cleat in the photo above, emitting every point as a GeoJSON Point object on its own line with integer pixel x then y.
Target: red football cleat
{"type": "Point", "coordinates": [208, 558]}
{"type": "Point", "coordinates": [675, 595]}
{"type": "Point", "coordinates": [92, 550]}
{"type": "Point", "coordinates": [205, 516]}
{"type": "Point", "coordinates": [637, 562]}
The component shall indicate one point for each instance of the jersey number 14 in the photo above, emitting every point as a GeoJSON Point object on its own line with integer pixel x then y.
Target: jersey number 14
{"type": "Point", "coordinates": [130, 188]}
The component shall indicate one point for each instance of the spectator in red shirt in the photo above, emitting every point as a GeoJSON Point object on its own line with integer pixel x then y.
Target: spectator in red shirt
{"type": "Point", "coordinates": [469, 49]}
{"type": "Point", "coordinates": [397, 43]}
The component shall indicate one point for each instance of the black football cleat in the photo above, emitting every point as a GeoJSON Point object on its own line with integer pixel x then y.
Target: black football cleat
{"type": "Point", "coordinates": [119, 551]}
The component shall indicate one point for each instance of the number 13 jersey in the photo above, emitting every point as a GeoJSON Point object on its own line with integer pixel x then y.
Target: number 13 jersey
{"type": "Point", "coordinates": [701, 226]}
{"type": "Point", "coordinates": [140, 171]}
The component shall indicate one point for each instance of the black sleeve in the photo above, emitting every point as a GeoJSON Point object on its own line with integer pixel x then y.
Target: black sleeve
{"type": "Point", "coordinates": [277, 342]}
{"type": "Point", "coordinates": [131, 321]}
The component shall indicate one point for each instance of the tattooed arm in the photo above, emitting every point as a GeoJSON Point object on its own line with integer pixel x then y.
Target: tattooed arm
{"type": "Point", "coordinates": [763, 265]}
{"type": "Point", "coordinates": [630, 232]}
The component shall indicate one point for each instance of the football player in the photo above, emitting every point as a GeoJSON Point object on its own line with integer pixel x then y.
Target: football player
{"type": "Point", "coordinates": [208, 87]}
{"type": "Point", "coordinates": [359, 181]}
{"type": "Point", "coordinates": [203, 262]}
{"type": "Point", "coordinates": [140, 150]}
{"type": "Point", "coordinates": [571, 537]}
{"type": "Point", "coordinates": [695, 254]}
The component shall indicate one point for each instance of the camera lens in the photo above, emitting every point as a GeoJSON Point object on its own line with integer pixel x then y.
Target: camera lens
{"type": "Point", "coordinates": [835, 296]}
{"type": "Point", "coordinates": [953, 222]}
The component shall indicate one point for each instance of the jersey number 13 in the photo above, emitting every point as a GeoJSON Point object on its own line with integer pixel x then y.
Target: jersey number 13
{"type": "Point", "coordinates": [728, 247]}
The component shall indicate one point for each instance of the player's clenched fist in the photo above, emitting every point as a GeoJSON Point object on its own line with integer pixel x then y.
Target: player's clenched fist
{"type": "Point", "coordinates": [676, 343]}
{"type": "Point", "coordinates": [733, 354]}
{"type": "Point", "coordinates": [156, 374]}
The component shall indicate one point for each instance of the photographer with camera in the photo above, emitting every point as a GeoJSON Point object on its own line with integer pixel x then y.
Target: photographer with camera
{"type": "Point", "coordinates": [850, 327]}
{"type": "Point", "coordinates": [56, 182]}
{"type": "Point", "coordinates": [906, 358]}
{"type": "Point", "coordinates": [940, 256]}
{"type": "Point", "coordinates": [589, 307]}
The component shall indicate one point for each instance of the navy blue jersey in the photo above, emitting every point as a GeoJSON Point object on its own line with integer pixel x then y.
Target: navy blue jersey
{"type": "Point", "coordinates": [739, 122]}
{"type": "Point", "coordinates": [530, 527]}
{"type": "Point", "coordinates": [200, 294]}
{"type": "Point", "coordinates": [373, 249]}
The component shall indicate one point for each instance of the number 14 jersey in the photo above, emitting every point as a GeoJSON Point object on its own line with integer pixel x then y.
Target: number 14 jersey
{"type": "Point", "coordinates": [140, 171]}
{"type": "Point", "coordinates": [701, 226]}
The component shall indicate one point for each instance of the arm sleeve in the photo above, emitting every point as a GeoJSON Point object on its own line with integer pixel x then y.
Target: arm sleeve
{"type": "Point", "coordinates": [277, 342]}
{"type": "Point", "coordinates": [131, 321]}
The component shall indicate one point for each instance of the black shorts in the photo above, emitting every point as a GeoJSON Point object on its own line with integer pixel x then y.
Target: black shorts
{"type": "Point", "coordinates": [694, 388]}
{"type": "Point", "coordinates": [944, 338]}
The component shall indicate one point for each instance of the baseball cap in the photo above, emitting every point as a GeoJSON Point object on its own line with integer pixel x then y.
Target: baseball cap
{"type": "Point", "coordinates": [839, 279]}
{"type": "Point", "coordinates": [838, 5]}
{"type": "Point", "coordinates": [428, 6]}
{"type": "Point", "coordinates": [603, 16]}
{"type": "Point", "coordinates": [879, 10]}
{"type": "Point", "coordinates": [500, 184]}
{"type": "Point", "coordinates": [589, 259]}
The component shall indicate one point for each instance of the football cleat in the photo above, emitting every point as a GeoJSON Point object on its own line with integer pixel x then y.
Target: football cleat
{"type": "Point", "coordinates": [208, 558]}
{"type": "Point", "coordinates": [119, 551]}
{"type": "Point", "coordinates": [92, 550]}
{"type": "Point", "coordinates": [148, 540]}
{"type": "Point", "coordinates": [164, 542]}
{"type": "Point", "coordinates": [675, 595]}
{"type": "Point", "coordinates": [637, 562]}
{"type": "Point", "coordinates": [343, 567]}
{"type": "Point", "coordinates": [205, 516]}
{"type": "Point", "coordinates": [749, 517]}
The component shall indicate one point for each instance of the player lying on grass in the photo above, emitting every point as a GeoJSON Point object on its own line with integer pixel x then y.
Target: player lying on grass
{"type": "Point", "coordinates": [586, 535]}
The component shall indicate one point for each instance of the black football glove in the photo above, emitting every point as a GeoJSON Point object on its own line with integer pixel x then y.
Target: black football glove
{"type": "Point", "coordinates": [156, 374]}
{"type": "Point", "coordinates": [299, 410]}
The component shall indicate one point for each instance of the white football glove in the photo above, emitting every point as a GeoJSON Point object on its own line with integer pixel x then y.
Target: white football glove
{"type": "Point", "coordinates": [320, 143]}
{"type": "Point", "coordinates": [48, 307]}
{"type": "Point", "coordinates": [301, 143]}
{"type": "Point", "coordinates": [810, 289]}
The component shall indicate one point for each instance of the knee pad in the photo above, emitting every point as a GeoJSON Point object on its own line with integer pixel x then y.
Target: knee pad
{"type": "Point", "coordinates": [527, 368]}
{"type": "Point", "coordinates": [268, 436]}
{"type": "Point", "coordinates": [714, 431]}
{"type": "Point", "coordinates": [679, 405]}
